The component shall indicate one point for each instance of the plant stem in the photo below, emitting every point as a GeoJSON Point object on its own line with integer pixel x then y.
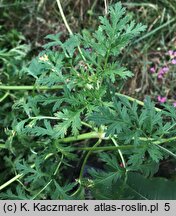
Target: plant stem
{"type": "Point", "coordinates": [3, 87]}
{"type": "Point", "coordinates": [86, 158]}
{"type": "Point", "coordinates": [83, 136]}
{"type": "Point", "coordinates": [165, 140]}
{"type": "Point", "coordinates": [154, 30]}
{"type": "Point", "coordinates": [87, 125]}
{"type": "Point", "coordinates": [4, 96]}
{"type": "Point", "coordinates": [155, 7]}
{"type": "Point", "coordinates": [120, 153]}
{"type": "Point", "coordinates": [106, 7]}
{"type": "Point", "coordinates": [168, 152]}
{"type": "Point", "coordinates": [69, 29]}
{"type": "Point", "coordinates": [11, 181]}
{"type": "Point", "coordinates": [19, 175]}
{"type": "Point", "coordinates": [63, 17]}
{"type": "Point", "coordinates": [83, 166]}
{"type": "Point", "coordinates": [106, 59]}
{"type": "Point", "coordinates": [137, 101]}
{"type": "Point", "coordinates": [124, 147]}
{"type": "Point", "coordinates": [90, 135]}
{"type": "Point", "coordinates": [42, 189]}
{"type": "Point", "coordinates": [93, 135]}
{"type": "Point", "coordinates": [107, 148]}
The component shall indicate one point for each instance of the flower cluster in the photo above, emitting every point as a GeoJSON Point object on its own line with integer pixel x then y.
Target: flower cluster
{"type": "Point", "coordinates": [164, 99]}
{"type": "Point", "coordinates": [161, 99]}
{"type": "Point", "coordinates": [163, 70]}
{"type": "Point", "coordinates": [160, 72]}
{"type": "Point", "coordinates": [43, 58]}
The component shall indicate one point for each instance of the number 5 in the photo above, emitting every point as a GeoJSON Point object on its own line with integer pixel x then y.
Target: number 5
{"type": "Point", "coordinates": [167, 207]}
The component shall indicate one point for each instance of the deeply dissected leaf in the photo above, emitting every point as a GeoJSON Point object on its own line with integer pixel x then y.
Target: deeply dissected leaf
{"type": "Point", "coordinates": [70, 119]}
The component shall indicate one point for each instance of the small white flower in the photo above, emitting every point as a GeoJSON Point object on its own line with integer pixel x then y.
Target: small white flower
{"type": "Point", "coordinates": [43, 58]}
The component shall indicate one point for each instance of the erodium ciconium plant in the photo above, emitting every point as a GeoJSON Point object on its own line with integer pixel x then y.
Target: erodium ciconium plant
{"type": "Point", "coordinates": [75, 135]}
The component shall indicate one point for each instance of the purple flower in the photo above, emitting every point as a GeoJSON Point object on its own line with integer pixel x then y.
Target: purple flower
{"type": "Point", "coordinates": [173, 61]}
{"type": "Point", "coordinates": [165, 69]}
{"type": "Point", "coordinates": [160, 73]}
{"type": "Point", "coordinates": [161, 99]}
{"type": "Point", "coordinates": [174, 104]}
{"type": "Point", "coordinates": [170, 52]}
{"type": "Point", "coordinates": [152, 70]}
{"type": "Point", "coordinates": [160, 76]}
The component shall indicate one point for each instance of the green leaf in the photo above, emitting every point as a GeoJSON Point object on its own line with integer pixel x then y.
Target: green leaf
{"type": "Point", "coordinates": [147, 169]}
{"type": "Point", "coordinates": [19, 195]}
{"type": "Point", "coordinates": [104, 178]}
{"type": "Point", "coordinates": [138, 157]}
{"type": "Point", "coordinates": [153, 189]}
{"type": "Point", "coordinates": [35, 68]}
{"type": "Point", "coordinates": [32, 174]}
{"type": "Point", "coordinates": [70, 119]}
{"type": "Point", "coordinates": [115, 171]}
{"type": "Point", "coordinates": [104, 116]}
{"type": "Point", "coordinates": [113, 72]}
{"type": "Point", "coordinates": [110, 160]}
{"type": "Point", "coordinates": [61, 193]}
{"type": "Point", "coordinates": [40, 131]}
{"type": "Point", "coordinates": [55, 40]}
{"type": "Point", "coordinates": [71, 44]}
{"type": "Point", "coordinates": [155, 153]}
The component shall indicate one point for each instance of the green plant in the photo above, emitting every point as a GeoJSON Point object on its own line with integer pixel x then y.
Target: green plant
{"type": "Point", "coordinates": [76, 110]}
